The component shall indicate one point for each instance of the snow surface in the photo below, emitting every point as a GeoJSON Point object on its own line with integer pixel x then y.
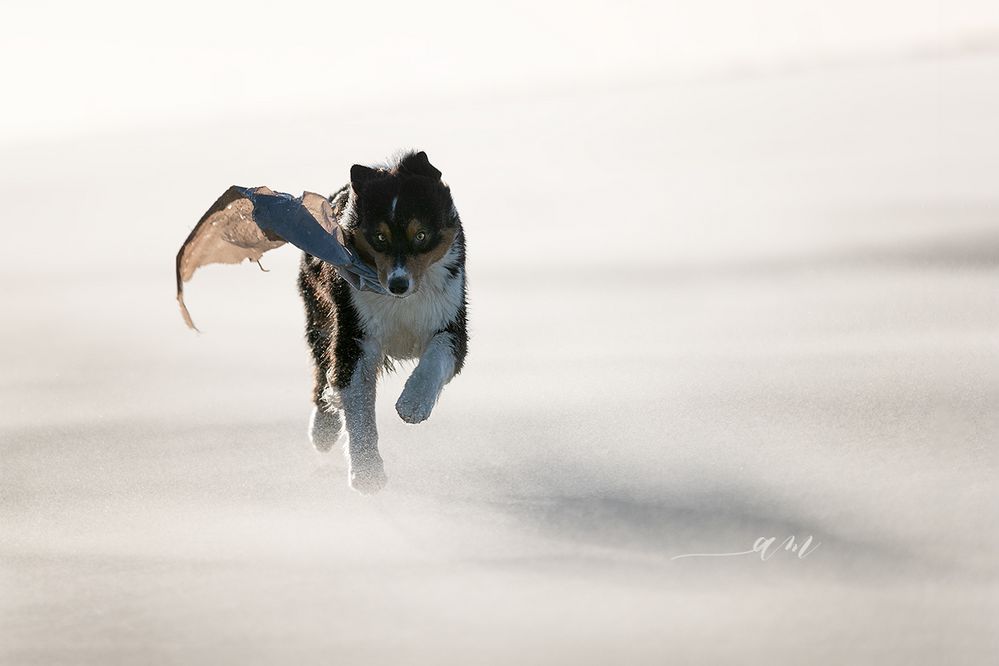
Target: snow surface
{"type": "Point", "coordinates": [702, 313]}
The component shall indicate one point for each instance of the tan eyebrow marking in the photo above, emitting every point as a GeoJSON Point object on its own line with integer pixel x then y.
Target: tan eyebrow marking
{"type": "Point", "coordinates": [414, 227]}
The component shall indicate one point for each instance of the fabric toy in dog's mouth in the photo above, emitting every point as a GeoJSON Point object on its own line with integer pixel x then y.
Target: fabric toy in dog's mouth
{"type": "Point", "coordinates": [246, 222]}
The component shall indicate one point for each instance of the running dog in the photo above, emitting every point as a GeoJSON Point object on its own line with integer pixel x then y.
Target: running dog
{"type": "Point", "coordinates": [382, 278]}
{"type": "Point", "coordinates": [400, 219]}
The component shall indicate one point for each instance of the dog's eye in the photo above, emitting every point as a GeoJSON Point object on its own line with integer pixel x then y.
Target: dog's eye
{"type": "Point", "coordinates": [420, 237]}
{"type": "Point", "coordinates": [381, 238]}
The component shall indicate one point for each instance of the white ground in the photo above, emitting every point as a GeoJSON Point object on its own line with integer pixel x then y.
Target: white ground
{"type": "Point", "coordinates": [701, 313]}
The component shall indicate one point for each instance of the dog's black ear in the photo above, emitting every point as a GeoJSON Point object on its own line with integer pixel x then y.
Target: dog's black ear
{"type": "Point", "coordinates": [359, 175]}
{"type": "Point", "coordinates": [419, 165]}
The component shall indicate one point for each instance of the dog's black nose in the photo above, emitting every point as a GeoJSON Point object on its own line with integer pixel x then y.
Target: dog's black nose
{"type": "Point", "coordinates": [398, 285]}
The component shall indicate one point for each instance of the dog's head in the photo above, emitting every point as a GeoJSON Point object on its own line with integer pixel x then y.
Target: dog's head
{"type": "Point", "coordinates": [402, 220]}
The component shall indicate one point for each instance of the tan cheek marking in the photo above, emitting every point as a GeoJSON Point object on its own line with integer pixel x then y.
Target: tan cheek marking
{"type": "Point", "coordinates": [371, 256]}
{"type": "Point", "coordinates": [418, 264]}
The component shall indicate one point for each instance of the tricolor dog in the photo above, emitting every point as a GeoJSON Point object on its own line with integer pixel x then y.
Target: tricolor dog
{"type": "Point", "coordinates": [399, 219]}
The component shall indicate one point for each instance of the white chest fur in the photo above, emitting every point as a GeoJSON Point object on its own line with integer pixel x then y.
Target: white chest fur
{"type": "Point", "coordinates": [403, 327]}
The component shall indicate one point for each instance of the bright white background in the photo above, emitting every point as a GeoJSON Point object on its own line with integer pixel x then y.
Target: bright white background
{"type": "Point", "coordinates": [78, 67]}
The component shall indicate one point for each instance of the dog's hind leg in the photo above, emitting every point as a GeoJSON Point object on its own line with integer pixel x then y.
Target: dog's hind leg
{"type": "Point", "coordinates": [367, 472]}
{"type": "Point", "coordinates": [325, 427]}
{"type": "Point", "coordinates": [326, 421]}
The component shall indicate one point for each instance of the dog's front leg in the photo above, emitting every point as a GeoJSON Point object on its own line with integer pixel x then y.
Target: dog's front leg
{"type": "Point", "coordinates": [367, 472]}
{"type": "Point", "coordinates": [435, 369]}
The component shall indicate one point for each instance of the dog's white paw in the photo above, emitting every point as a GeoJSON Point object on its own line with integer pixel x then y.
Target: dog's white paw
{"type": "Point", "coordinates": [326, 429]}
{"type": "Point", "coordinates": [416, 402]}
{"type": "Point", "coordinates": [367, 474]}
